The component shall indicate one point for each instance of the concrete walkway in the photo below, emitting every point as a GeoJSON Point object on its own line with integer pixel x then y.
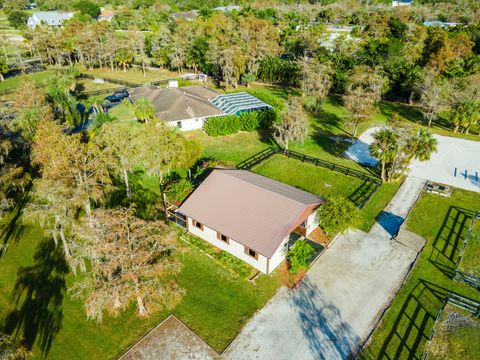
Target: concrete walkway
{"type": "Point", "coordinates": [334, 309]}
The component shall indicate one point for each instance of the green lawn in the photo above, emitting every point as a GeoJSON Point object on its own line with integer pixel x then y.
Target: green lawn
{"type": "Point", "coordinates": [456, 336]}
{"type": "Point", "coordinates": [406, 326]}
{"type": "Point", "coordinates": [51, 315]}
{"type": "Point", "coordinates": [327, 183]}
{"type": "Point", "coordinates": [134, 74]}
{"type": "Point", "coordinates": [85, 85]}
{"type": "Point", "coordinates": [14, 81]}
{"type": "Point", "coordinates": [470, 262]}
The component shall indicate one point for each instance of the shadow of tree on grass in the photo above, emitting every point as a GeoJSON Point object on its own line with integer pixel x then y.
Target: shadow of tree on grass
{"type": "Point", "coordinates": [38, 296]}
{"type": "Point", "coordinates": [12, 229]}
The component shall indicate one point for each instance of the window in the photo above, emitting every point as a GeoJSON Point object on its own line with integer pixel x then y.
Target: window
{"type": "Point", "coordinates": [222, 237]}
{"type": "Point", "coordinates": [179, 124]}
{"type": "Point", "coordinates": [303, 225]}
{"type": "Point", "coordinates": [251, 253]}
{"type": "Point", "coordinates": [197, 224]}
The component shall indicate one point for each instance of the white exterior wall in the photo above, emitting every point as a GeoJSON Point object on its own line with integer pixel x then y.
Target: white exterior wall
{"type": "Point", "coordinates": [312, 223]}
{"type": "Point", "coordinates": [279, 255]}
{"type": "Point", "coordinates": [233, 247]}
{"type": "Point", "coordinates": [188, 124]}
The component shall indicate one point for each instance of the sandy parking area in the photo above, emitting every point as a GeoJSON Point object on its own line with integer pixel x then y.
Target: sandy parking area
{"type": "Point", "coordinates": [452, 153]}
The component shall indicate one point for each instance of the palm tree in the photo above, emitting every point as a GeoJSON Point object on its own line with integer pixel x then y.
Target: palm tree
{"type": "Point", "coordinates": [422, 145]}
{"type": "Point", "coordinates": [384, 148]}
{"type": "Point", "coordinates": [143, 110]}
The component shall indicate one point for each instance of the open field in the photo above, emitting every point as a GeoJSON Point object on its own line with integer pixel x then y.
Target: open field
{"type": "Point", "coordinates": [134, 75]}
{"type": "Point", "coordinates": [456, 336]}
{"type": "Point", "coordinates": [14, 81]}
{"type": "Point", "coordinates": [54, 318]}
{"type": "Point", "coordinates": [406, 326]}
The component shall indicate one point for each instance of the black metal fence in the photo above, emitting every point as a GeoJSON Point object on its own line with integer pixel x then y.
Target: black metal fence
{"type": "Point", "coordinates": [111, 80]}
{"type": "Point", "coordinates": [256, 159]}
{"type": "Point", "coordinates": [100, 91]}
{"type": "Point", "coordinates": [331, 166]}
{"type": "Point", "coordinates": [247, 164]}
{"type": "Point", "coordinates": [468, 279]}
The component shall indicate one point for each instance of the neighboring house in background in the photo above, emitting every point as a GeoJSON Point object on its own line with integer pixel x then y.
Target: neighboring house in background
{"type": "Point", "coordinates": [186, 108]}
{"type": "Point", "coordinates": [188, 15]}
{"type": "Point", "coordinates": [189, 107]}
{"type": "Point", "coordinates": [50, 18]}
{"type": "Point", "coordinates": [228, 8]}
{"type": "Point", "coordinates": [249, 215]}
{"type": "Point", "coordinates": [106, 15]}
{"type": "Point", "coordinates": [396, 3]}
{"type": "Point", "coordinates": [443, 24]}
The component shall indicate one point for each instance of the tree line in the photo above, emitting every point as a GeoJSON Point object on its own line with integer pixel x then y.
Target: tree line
{"type": "Point", "coordinates": [77, 186]}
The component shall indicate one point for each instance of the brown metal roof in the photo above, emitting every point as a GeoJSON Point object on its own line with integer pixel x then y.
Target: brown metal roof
{"type": "Point", "coordinates": [251, 209]}
{"type": "Point", "coordinates": [178, 103]}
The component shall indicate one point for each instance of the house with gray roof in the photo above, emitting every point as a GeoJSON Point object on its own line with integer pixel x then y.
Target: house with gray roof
{"type": "Point", "coordinates": [186, 108]}
{"type": "Point", "coordinates": [190, 107]}
{"type": "Point", "coordinates": [50, 18]}
{"type": "Point", "coordinates": [249, 215]}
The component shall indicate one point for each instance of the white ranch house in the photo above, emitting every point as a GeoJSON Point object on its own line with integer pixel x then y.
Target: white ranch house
{"type": "Point", "coordinates": [249, 215]}
{"type": "Point", "coordinates": [188, 108]}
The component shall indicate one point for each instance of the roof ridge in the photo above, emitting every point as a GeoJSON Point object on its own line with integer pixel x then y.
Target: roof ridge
{"type": "Point", "coordinates": [225, 171]}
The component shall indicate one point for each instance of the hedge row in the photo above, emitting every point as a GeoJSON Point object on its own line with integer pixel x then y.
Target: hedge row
{"type": "Point", "coordinates": [231, 124]}
{"type": "Point", "coordinates": [268, 98]}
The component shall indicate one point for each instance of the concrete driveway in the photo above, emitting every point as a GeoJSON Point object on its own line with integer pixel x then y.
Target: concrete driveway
{"type": "Point", "coordinates": [332, 312]}
{"type": "Point", "coordinates": [334, 309]}
{"type": "Point", "coordinates": [453, 154]}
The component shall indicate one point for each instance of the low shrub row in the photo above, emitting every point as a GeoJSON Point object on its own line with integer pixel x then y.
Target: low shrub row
{"type": "Point", "coordinates": [229, 261]}
{"type": "Point", "coordinates": [231, 124]}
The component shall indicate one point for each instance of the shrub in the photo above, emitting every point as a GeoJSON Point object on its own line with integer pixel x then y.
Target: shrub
{"type": "Point", "coordinates": [268, 98]}
{"type": "Point", "coordinates": [18, 19]}
{"type": "Point", "coordinates": [338, 214]}
{"type": "Point", "coordinates": [299, 255]}
{"type": "Point", "coordinates": [177, 191]}
{"type": "Point", "coordinates": [247, 121]}
{"type": "Point", "coordinates": [236, 265]}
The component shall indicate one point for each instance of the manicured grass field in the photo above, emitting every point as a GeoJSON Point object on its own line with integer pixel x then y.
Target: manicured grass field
{"type": "Point", "coordinates": [216, 304]}
{"type": "Point", "coordinates": [406, 326]}
{"type": "Point", "coordinates": [456, 336]}
{"type": "Point", "coordinates": [327, 183]}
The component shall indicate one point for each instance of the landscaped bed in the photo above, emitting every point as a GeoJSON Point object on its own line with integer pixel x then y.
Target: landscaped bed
{"type": "Point", "coordinates": [457, 335]}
